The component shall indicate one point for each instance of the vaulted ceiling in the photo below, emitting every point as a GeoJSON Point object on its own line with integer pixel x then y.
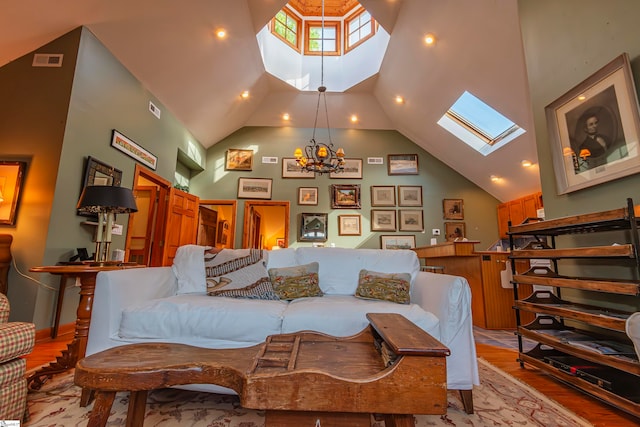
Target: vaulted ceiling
{"type": "Point", "coordinates": [171, 48]}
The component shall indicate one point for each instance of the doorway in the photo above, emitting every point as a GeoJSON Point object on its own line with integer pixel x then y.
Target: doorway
{"type": "Point", "coordinates": [217, 223]}
{"type": "Point", "coordinates": [266, 224]}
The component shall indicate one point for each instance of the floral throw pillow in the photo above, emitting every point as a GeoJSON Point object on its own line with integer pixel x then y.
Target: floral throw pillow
{"type": "Point", "coordinates": [392, 287]}
{"type": "Point", "coordinates": [300, 281]}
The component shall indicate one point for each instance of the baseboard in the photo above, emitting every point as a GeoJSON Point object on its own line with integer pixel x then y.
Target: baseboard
{"type": "Point", "coordinates": [67, 330]}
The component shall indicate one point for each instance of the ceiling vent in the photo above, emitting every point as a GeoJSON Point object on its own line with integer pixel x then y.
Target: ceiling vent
{"type": "Point", "coordinates": [47, 60]}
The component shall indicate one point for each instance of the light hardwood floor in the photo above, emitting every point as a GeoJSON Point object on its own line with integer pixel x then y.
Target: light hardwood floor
{"type": "Point", "coordinates": [599, 414]}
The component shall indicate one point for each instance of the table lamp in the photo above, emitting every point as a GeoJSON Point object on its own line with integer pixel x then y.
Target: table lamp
{"type": "Point", "coordinates": [106, 200]}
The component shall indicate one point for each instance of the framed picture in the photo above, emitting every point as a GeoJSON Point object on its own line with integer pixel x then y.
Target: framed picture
{"type": "Point", "coordinates": [383, 220]}
{"type": "Point", "coordinates": [313, 227]}
{"type": "Point", "coordinates": [410, 220]}
{"type": "Point", "coordinates": [11, 178]}
{"type": "Point", "coordinates": [131, 149]}
{"type": "Point", "coordinates": [239, 160]}
{"type": "Point", "coordinates": [308, 196]}
{"type": "Point", "coordinates": [452, 209]}
{"type": "Point", "coordinates": [454, 231]}
{"type": "Point", "coordinates": [290, 169]}
{"type": "Point", "coordinates": [398, 242]}
{"type": "Point", "coordinates": [280, 242]}
{"type": "Point", "coordinates": [345, 196]}
{"type": "Point", "coordinates": [409, 195]}
{"type": "Point", "coordinates": [349, 225]}
{"type": "Point", "coordinates": [594, 129]}
{"type": "Point", "coordinates": [383, 195]}
{"type": "Point", "coordinates": [99, 173]}
{"type": "Point", "coordinates": [402, 164]}
{"type": "Point", "coordinates": [352, 170]}
{"type": "Point", "coordinates": [254, 188]}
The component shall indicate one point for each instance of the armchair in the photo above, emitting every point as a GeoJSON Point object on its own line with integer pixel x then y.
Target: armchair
{"type": "Point", "coordinates": [16, 339]}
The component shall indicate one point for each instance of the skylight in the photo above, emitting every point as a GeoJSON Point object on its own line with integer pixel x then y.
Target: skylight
{"type": "Point", "coordinates": [479, 125]}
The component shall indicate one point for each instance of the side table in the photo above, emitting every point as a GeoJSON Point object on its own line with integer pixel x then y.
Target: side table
{"type": "Point", "coordinates": [86, 272]}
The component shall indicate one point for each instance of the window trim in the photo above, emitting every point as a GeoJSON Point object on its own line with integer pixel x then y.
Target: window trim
{"type": "Point", "coordinates": [299, 22]}
{"type": "Point", "coordinates": [374, 28]}
{"type": "Point", "coordinates": [327, 24]}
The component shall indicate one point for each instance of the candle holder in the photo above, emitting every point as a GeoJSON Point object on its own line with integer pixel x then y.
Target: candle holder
{"type": "Point", "coordinates": [106, 201]}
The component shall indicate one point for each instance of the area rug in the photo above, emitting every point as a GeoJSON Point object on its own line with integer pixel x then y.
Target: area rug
{"type": "Point", "coordinates": [500, 400]}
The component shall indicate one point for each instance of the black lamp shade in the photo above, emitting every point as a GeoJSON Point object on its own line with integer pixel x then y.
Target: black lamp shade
{"type": "Point", "coordinates": [107, 198]}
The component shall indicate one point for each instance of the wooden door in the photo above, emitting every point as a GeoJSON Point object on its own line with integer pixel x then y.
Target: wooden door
{"type": "Point", "coordinates": [140, 234]}
{"type": "Point", "coordinates": [182, 223]}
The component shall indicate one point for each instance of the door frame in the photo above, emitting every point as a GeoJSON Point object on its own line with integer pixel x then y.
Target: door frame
{"type": "Point", "coordinates": [249, 204]}
{"type": "Point", "coordinates": [234, 215]}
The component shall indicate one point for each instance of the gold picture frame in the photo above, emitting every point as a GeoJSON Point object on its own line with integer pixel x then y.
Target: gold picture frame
{"type": "Point", "coordinates": [349, 225]}
{"type": "Point", "coordinates": [238, 159]}
{"type": "Point", "coordinates": [11, 179]}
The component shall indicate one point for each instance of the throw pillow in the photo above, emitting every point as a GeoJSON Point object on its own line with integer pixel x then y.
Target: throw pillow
{"type": "Point", "coordinates": [296, 282]}
{"type": "Point", "coordinates": [392, 287]}
{"type": "Point", "coordinates": [238, 273]}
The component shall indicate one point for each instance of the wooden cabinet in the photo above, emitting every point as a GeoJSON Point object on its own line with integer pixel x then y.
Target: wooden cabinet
{"type": "Point", "coordinates": [517, 211]}
{"type": "Point", "coordinates": [581, 344]}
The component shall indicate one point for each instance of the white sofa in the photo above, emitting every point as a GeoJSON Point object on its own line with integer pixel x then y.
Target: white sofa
{"type": "Point", "coordinates": [145, 305]}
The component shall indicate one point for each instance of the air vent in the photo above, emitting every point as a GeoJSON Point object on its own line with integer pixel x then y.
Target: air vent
{"type": "Point", "coordinates": [154, 110]}
{"type": "Point", "coordinates": [375, 161]}
{"type": "Point", "coordinates": [270, 160]}
{"type": "Point", "coordinates": [47, 60]}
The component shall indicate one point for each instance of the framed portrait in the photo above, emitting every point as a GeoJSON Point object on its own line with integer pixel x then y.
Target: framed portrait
{"type": "Point", "coordinates": [398, 242]}
{"type": "Point", "coordinates": [594, 129]}
{"type": "Point", "coordinates": [313, 227]}
{"type": "Point", "coordinates": [383, 220]}
{"type": "Point", "coordinates": [352, 170]}
{"type": "Point", "coordinates": [409, 195]}
{"type": "Point", "coordinates": [454, 231]}
{"type": "Point", "coordinates": [349, 225]}
{"type": "Point", "coordinates": [290, 169]}
{"type": "Point", "coordinates": [308, 196]}
{"type": "Point", "coordinates": [345, 196]}
{"type": "Point", "coordinates": [254, 188]}
{"type": "Point", "coordinates": [133, 150]}
{"type": "Point", "coordinates": [410, 220]}
{"type": "Point", "coordinates": [452, 209]}
{"type": "Point", "coordinates": [383, 195]}
{"type": "Point", "coordinates": [11, 179]}
{"type": "Point", "coordinates": [402, 164]}
{"type": "Point", "coordinates": [239, 160]}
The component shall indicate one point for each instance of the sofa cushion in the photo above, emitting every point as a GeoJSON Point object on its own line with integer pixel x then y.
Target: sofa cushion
{"type": "Point", "coordinates": [392, 287]}
{"type": "Point", "coordinates": [188, 267]}
{"type": "Point", "coordinates": [281, 258]}
{"type": "Point", "coordinates": [239, 273]}
{"type": "Point", "coordinates": [342, 315]}
{"type": "Point", "coordinates": [199, 316]}
{"type": "Point", "coordinates": [340, 267]}
{"type": "Point", "coordinates": [296, 282]}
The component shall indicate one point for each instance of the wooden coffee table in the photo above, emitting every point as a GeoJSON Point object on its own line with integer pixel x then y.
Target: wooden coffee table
{"type": "Point", "coordinates": [392, 368]}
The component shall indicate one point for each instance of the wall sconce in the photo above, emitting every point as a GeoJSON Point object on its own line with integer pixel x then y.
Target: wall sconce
{"type": "Point", "coordinates": [106, 201]}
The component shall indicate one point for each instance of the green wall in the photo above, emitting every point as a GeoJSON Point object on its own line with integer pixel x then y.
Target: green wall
{"type": "Point", "coordinates": [438, 181]}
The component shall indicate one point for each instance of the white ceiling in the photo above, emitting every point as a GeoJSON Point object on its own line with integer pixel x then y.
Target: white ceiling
{"type": "Point", "coordinates": [171, 48]}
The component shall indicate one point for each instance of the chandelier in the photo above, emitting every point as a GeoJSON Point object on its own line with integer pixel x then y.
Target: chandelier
{"type": "Point", "coordinates": [318, 157]}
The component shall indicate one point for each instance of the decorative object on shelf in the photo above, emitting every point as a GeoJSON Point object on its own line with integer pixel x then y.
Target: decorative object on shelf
{"type": "Point", "coordinates": [11, 177]}
{"type": "Point", "coordinates": [410, 220]}
{"type": "Point", "coordinates": [239, 160]}
{"type": "Point", "coordinates": [594, 129]}
{"type": "Point", "coordinates": [131, 149]}
{"type": "Point", "coordinates": [345, 196]}
{"type": "Point", "coordinates": [318, 157]}
{"type": "Point", "coordinates": [402, 164]}
{"type": "Point", "coordinates": [308, 196]}
{"type": "Point", "coordinates": [254, 188]}
{"type": "Point", "coordinates": [398, 241]}
{"type": "Point", "coordinates": [290, 169]}
{"type": "Point", "coordinates": [452, 209]}
{"type": "Point", "coordinates": [409, 195]}
{"type": "Point", "coordinates": [383, 195]}
{"type": "Point", "coordinates": [105, 201]}
{"type": "Point", "coordinates": [454, 231]}
{"type": "Point", "coordinates": [349, 225]}
{"type": "Point", "coordinates": [383, 220]}
{"type": "Point", "coordinates": [352, 170]}
{"type": "Point", "coordinates": [313, 227]}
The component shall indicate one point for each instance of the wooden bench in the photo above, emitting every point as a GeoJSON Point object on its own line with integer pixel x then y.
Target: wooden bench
{"type": "Point", "coordinates": [392, 368]}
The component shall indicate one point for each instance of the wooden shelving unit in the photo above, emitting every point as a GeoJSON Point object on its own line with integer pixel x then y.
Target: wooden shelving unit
{"type": "Point", "coordinates": [583, 345]}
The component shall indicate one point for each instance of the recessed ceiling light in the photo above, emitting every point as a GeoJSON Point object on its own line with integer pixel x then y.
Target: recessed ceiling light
{"type": "Point", "coordinates": [526, 163]}
{"type": "Point", "coordinates": [581, 98]}
{"type": "Point", "coordinates": [286, 116]}
{"type": "Point", "coordinates": [221, 33]}
{"type": "Point", "coordinates": [354, 118]}
{"type": "Point", "coordinates": [430, 39]}
{"type": "Point", "coordinates": [245, 94]}
{"type": "Point", "coordinates": [399, 99]}
{"type": "Point", "coordinates": [495, 178]}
